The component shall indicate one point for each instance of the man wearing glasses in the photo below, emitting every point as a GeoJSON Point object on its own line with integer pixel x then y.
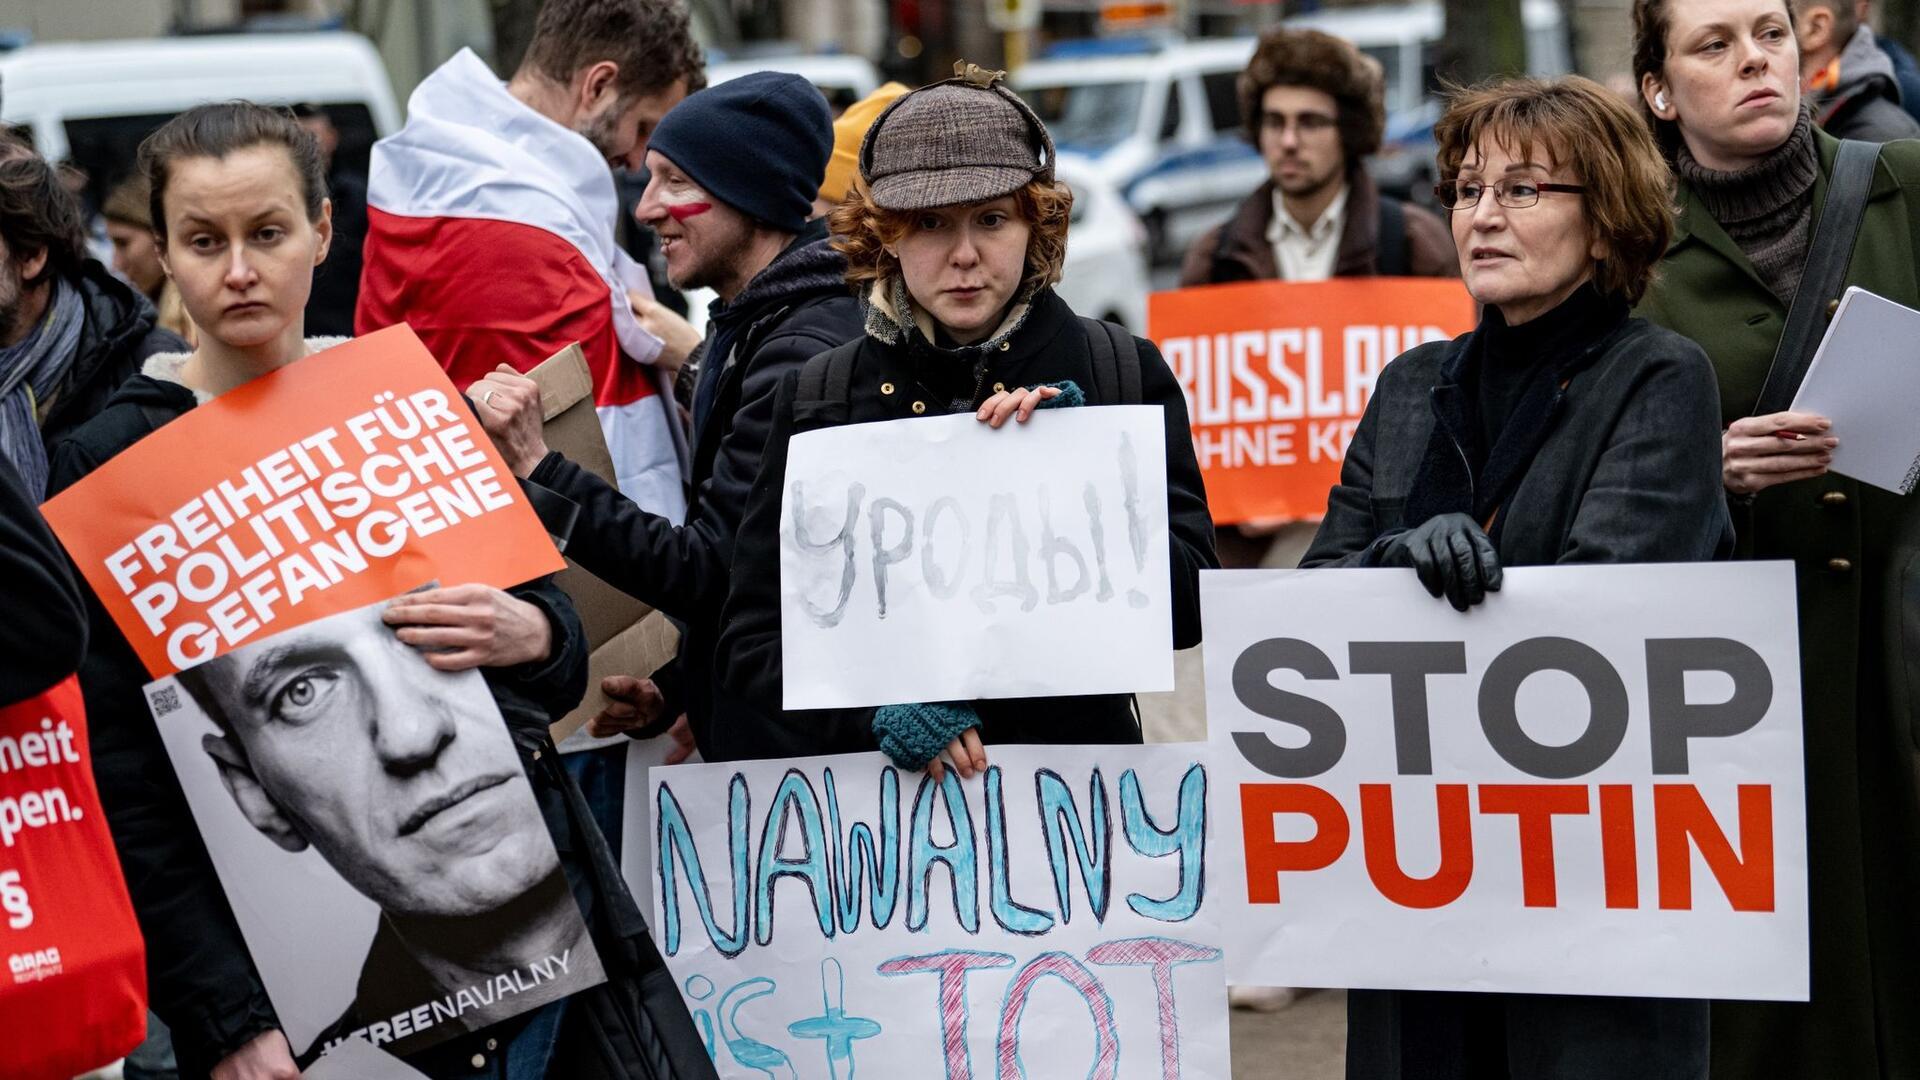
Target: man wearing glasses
{"type": "Point", "coordinates": [1313, 105]}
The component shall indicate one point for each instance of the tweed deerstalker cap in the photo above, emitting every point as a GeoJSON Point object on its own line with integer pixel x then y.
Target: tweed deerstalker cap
{"type": "Point", "coordinates": [965, 140]}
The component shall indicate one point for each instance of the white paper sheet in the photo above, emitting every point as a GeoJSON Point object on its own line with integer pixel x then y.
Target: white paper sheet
{"type": "Point", "coordinates": [937, 559]}
{"type": "Point", "coordinates": [1866, 379]}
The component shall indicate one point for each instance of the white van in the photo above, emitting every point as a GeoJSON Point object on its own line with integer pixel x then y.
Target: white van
{"type": "Point", "coordinates": [1161, 122]}
{"type": "Point", "coordinates": [92, 102]}
{"type": "Point", "coordinates": [1161, 119]}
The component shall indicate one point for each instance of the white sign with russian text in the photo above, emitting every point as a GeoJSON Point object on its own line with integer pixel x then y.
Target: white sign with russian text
{"type": "Point", "coordinates": [938, 559]}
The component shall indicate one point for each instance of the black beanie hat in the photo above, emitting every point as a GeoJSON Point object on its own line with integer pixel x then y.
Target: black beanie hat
{"type": "Point", "coordinates": [759, 143]}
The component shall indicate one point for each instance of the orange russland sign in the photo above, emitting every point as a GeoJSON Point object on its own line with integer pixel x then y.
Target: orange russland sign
{"type": "Point", "coordinates": [1277, 375]}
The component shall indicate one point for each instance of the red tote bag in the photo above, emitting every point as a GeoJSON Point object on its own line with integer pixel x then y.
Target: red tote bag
{"type": "Point", "coordinates": [73, 995]}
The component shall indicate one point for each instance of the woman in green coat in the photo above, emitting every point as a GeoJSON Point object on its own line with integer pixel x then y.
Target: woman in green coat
{"type": "Point", "coordinates": [1719, 79]}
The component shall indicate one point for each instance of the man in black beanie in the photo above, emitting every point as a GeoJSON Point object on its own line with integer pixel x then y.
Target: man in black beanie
{"type": "Point", "coordinates": [734, 170]}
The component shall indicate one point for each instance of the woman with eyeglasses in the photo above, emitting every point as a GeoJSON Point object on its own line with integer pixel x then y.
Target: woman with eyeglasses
{"type": "Point", "coordinates": [1560, 430]}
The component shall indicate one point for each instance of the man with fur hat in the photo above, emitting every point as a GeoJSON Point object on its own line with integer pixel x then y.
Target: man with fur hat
{"type": "Point", "coordinates": [733, 174]}
{"type": "Point", "coordinates": [1313, 104]}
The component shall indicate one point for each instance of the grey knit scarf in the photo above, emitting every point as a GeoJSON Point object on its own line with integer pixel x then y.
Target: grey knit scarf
{"type": "Point", "coordinates": [30, 373]}
{"type": "Point", "coordinates": [1765, 206]}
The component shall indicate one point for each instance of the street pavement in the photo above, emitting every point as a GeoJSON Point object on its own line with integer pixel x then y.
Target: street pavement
{"type": "Point", "coordinates": [1305, 1041]}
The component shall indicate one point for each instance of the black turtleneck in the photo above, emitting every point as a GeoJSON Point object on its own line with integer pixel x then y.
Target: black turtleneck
{"type": "Point", "coordinates": [1513, 358]}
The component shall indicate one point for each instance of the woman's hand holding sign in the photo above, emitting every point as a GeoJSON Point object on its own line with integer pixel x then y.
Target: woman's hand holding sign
{"type": "Point", "coordinates": [508, 404]}
{"type": "Point", "coordinates": [1017, 403]}
{"type": "Point", "coordinates": [1452, 555]}
{"type": "Point", "coordinates": [1757, 452]}
{"type": "Point", "coordinates": [965, 754]}
{"type": "Point", "coordinates": [471, 626]}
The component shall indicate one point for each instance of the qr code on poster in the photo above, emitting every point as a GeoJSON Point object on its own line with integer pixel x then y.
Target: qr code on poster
{"type": "Point", "coordinates": [164, 699]}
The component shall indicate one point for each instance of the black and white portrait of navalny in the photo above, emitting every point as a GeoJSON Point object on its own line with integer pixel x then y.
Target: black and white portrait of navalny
{"type": "Point", "coordinates": [376, 835]}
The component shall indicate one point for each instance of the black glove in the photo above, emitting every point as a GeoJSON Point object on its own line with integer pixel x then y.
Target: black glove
{"type": "Point", "coordinates": [1450, 552]}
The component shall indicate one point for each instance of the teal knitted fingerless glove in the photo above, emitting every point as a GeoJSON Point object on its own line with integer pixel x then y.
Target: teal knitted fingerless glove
{"type": "Point", "coordinates": [913, 735]}
{"type": "Point", "coordinates": [1069, 397]}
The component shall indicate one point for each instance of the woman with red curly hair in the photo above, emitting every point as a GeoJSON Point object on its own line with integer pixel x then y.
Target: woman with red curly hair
{"type": "Point", "coordinates": [954, 233]}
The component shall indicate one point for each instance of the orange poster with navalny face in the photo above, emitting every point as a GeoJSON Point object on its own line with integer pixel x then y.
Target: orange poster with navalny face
{"type": "Point", "coordinates": [351, 476]}
{"type": "Point", "coordinates": [1277, 375]}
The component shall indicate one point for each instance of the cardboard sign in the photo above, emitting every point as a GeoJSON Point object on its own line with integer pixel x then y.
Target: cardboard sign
{"type": "Point", "coordinates": [956, 561]}
{"type": "Point", "coordinates": [74, 992]}
{"type": "Point", "coordinates": [353, 475]}
{"type": "Point", "coordinates": [624, 636]}
{"type": "Point", "coordinates": [1277, 375]}
{"type": "Point", "coordinates": [835, 917]}
{"type": "Point", "coordinates": [1589, 784]}
{"type": "Point", "coordinates": [376, 836]}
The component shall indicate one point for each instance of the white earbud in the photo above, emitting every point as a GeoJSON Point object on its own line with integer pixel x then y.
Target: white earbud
{"type": "Point", "coordinates": [1660, 100]}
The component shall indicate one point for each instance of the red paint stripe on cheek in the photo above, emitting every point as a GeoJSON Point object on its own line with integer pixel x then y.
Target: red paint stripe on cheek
{"type": "Point", "coordinates": [687, 210]}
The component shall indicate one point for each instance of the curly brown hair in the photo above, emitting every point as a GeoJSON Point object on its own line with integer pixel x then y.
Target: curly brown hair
{"type": "Point", "coordinates": [1651, 22]}
{"type": "Point", "coordinates": [1325, 63]}
{"type": "Point", "coordinates": [651, 40]}
{"type": "Point", "coordinates": [862, 231]}
{"type": "Point", "coordinates": [1629, 196]}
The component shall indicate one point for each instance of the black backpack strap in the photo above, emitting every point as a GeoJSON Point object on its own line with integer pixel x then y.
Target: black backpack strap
{"type": "Point", "coordinates": [826, 386]}
{"type": "Point", "coordinates": [1823, 274]}
{"type": "Point", "coordinates": [1106, 365]}
{"type": "Point", "coordinates": [1116, 362]}
{"type": "Point", "coordinates": [1390, 249]}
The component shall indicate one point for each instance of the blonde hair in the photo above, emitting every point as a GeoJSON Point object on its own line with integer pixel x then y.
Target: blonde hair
{"type": "Point", "coordinates": [862, 231]}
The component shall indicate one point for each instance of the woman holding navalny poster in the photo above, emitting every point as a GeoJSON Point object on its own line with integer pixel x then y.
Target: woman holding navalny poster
{"type": "Point", "coordinates": [1561, 430]}
{"type": "Point", "coordinates": [241, 217]}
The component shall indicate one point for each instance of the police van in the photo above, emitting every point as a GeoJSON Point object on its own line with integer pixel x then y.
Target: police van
{"type": "Point", "coordinates": [1161, 122]}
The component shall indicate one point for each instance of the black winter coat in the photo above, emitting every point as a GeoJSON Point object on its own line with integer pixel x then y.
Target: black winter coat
{"type": "Point", "coordinates": [200, 977]}
{"type": "Point", "coordinates": [897, 381]}
{"type": "Point", "coordinates": [118, 331]}
{"type": "Point", "coordinates": [798, 306]}
{"type": "Point", "coordinates": [1615, 458]}
{"type": "Point", "coordinates": [1626, 467]}
{"type": "Point", "coordinates": [44, 635]}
